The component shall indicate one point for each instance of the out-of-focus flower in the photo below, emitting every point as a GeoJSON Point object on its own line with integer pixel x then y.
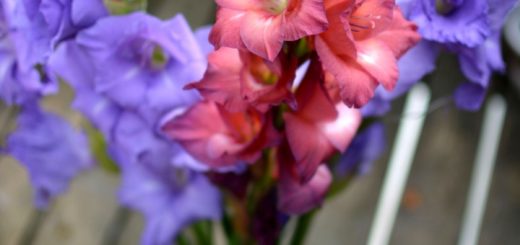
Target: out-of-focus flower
{"type": "Point", "coordinates": [141, 61]}
{"type": "Point", "coordinates": [51, 149]}
{"type": "Point", "coordinates": [470, 29]}
{"type": "Point", "coordinates": [361, 47]}
{"type": "Point", "coordinates": [128, 73]}
{"type": "Point", "coordinates": [221, 138]}
{"type": "Point", "coordinates": [238, 79]}
{"type": "Point", "coordinates": [36, 26]}
{"type": "Point", "coordinates": [295, 196]}
{"type": "Point", "coordinates": [262, 26]}
{"type": "Point", "coordinates": [365, 149]}
{"type": "Point", "coordinates": [18, 85]}
{"type": "Point", "coordinates": [327, 127]}
{"type": "Point", "coordinates": [169, 197]}
{"type": "Point", "coordinates": [452, 21]}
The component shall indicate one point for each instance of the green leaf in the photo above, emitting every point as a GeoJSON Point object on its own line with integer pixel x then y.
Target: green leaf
{"type": "Point", "coordinates": [98, 147]}
{"type": "Point", "coordinates": [120, 7]}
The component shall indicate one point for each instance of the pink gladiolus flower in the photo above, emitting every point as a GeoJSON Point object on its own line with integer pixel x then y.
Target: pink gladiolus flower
{"type": "Point", "coordinates": [295, 197]}
{"type": "Point", "coordinates": [261, 26]}
{"type": "Point", "coordinates": [319, 127]}
{"type": "Point", "coordinates": [239, 79]}
{"type": "Point", "coordinates": [361, 47]}
{"type": "Point", "coordinates": [221, 138]}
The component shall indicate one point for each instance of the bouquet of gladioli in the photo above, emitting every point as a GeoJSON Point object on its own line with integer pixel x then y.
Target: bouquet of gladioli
{"type": "Point", "coordinates": [249, 122]}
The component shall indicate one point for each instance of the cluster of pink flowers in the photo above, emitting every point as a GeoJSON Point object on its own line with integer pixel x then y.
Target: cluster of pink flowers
{"type": "Point", "coordinates": [253, 104]}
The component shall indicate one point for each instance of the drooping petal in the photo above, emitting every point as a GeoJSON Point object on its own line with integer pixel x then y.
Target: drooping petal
{"type": "Point", "coordinates": [297, 198]}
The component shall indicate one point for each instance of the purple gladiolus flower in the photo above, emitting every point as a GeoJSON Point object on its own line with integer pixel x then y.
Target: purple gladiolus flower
{"type": "Point", "coordinates": [364, 150]}
{"type": "Point", "coordinates": [468, 28]}
{"type": "Point", "coordinates": [452, 21]}
{"type": "Point", "coordinates": [52, 151]}
{"type": "Point", "coordinates": [141, 61]}
{"type": "Point", "coordinates": [129, 72]}
{"type": "Point", "coordinates": [169, 197]}
{"type": "Point", "coordinates": [37, 26]}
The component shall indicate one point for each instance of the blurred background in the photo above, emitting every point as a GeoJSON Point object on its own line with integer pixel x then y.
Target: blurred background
{"type": "Point", "coordinates": [430, 213]}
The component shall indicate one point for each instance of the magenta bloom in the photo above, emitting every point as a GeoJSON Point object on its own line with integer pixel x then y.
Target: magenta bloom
{"type": "Point", "coordinates": [262, 26]}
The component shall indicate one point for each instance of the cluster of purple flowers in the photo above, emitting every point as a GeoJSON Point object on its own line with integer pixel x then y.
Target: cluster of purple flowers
{"type": "Point", "coordinates": [470, 29]}
{"type": "Point", "coordinates": [128, 74]}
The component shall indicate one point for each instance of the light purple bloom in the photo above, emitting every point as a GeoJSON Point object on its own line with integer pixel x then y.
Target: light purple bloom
{"type": "Point", "coordinates": [51, 149]}
{"type": "Point", "coordinates": [365, 149]}
{"type": "Point", "coordinates": [128, 73]}
{"type": "Point", "coordinates": [169, 197]}
{"type": "Point", "coordinates": [141, 61]}
{"type": "Point", "coordinates": [452, 21]}
{"type": "Point", "coordinates": [37, 26]}
{"type": "Point", "coordinates": [468, 28]}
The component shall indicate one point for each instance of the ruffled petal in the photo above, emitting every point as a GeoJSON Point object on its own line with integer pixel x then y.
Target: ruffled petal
{"type": "Point", "coordinates": [261, 34]}
{"type": "Point", "coordinates": [226, 31]}
{"type": "Point", "coordinates": [306, 18]}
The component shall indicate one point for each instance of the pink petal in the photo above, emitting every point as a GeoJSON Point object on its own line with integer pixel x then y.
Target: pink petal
{"type": "Point", "coordinates": [307, 144]}
{"type": "Point", "coordinates": [342, 130]}
{"type": "Point", "coordinates": [305, 18]}
{"type": "Point", "coordinates": [221, 82]}
{"type": "Point", "coordinates": [313, 101]}
{"type": "Point", "coordinates": [377, 14]}
{"type": "Point", "coordinates": [355, 84]}
{"type": "Point", "coordinates": [226, 31]}
{"type": "Point", "coordinates": [296, 198]}
{"type": "Point", "coordinates": [235, 4]}
{"type": "Point", "coordinates": [261, 34]}
{"type": "Point", "coordinates": [401, 35]}
{"type": "Point", "coordinates": [194, 131]}
{"type": "Point", "coordinates": [378, 60]}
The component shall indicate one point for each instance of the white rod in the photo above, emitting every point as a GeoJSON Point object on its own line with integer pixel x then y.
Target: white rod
{"type": "Point", "coordinates": [483, 170]}
{"type": "Point", "coordinates": [405, 145]}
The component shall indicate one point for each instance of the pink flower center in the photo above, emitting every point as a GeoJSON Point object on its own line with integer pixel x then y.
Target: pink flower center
{"type": "Point", "coordinates": [369, 18]}
{"type": "Point", "coordinates": [275, 7]}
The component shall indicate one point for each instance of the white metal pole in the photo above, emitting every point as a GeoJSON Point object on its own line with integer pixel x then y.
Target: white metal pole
{"type": "Point", "coordinates": [400, 163]}
{"type": "Point", "coordinates": [483, 170]}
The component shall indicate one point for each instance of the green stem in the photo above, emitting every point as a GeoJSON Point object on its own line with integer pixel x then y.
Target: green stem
{"type": "Point", "coordinates": [31, 230]}
{"type": "Point", "coordinates": [302, 227]}
{"type": "Point", "coordinates": [117, 225]}
{"type": "Point", "coordinates": [203, 232]}
{"type": "Point", "coordinates": [182, 240]}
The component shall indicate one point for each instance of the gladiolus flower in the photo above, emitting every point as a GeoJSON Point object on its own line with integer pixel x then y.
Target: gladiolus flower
{"type": "Point", "coordinates": [361, 46]}
{"type": "Point", "coordinates": [221, 138]}
{"type": "Point", "coordinates": [261, 26]}
{"type": "Point", "coordinates": [295, 197]}
{"type": "Point", "coordinates": [328, 127]}
{"type": "Point", "coordinates": [238, 79]}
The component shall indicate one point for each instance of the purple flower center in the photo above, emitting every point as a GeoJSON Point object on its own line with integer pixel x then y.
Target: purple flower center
{"type": "Point", "coordinates": [148, 54]}
{"type": "Point", "coordinates": [446, 7]}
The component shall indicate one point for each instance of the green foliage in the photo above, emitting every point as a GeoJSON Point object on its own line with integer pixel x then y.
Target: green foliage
{"type": "Point", "coordinates": [120, 7]}
{"type": "Point", "coordinates": [98, 146]}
